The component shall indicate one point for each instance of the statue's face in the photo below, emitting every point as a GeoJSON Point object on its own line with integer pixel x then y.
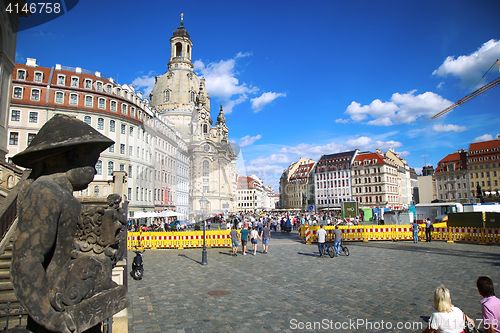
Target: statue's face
{"type": "Point", "coordinates": [83, 170]}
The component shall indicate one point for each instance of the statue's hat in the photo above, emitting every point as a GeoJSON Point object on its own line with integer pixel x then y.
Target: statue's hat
{"type": "Point", "coordinates": [61, 133]}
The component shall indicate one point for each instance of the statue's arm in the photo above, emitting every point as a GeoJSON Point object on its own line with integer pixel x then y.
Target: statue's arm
{"type": "Point", "coordinates": [35, 242]}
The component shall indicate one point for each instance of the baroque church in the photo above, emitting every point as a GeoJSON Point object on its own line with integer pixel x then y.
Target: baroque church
{"type": "Point", "coordinates": [181, 98]}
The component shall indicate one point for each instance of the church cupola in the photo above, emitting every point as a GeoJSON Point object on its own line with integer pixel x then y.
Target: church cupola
{"type": "Point", "coordinates": [180, 48]}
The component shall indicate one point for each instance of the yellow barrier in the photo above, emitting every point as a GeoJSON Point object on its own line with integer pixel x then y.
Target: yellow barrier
{"type": "Point", "coordinates": [178, 239]}
{"type": "Point", "coordinates": [405, 232]}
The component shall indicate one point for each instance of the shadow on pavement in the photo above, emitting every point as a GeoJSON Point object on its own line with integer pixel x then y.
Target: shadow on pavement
{"type": "Point", "coordinates": [185, 256]}
{"type": "Point", "coordinates": [307, 254]}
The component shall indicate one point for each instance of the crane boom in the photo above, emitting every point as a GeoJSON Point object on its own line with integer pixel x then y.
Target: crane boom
{"type": "Point", "coordinates": [471, 95]}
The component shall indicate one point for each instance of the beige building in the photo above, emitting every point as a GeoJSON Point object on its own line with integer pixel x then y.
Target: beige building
{"type": "Point", "coordinates": [483, 164]}
{"type": "Point", "coordinates": [452, 179]}
{"type": "Point", "coordinates": [296, 189]}
{"type": "Point", "coordinates": [181, 99]}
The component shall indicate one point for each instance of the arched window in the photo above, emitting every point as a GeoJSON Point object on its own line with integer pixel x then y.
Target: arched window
{"type": "Point", "coordinates": [100, 123]}
{"type": "Point", "coordinates": [87, 120]}
{"type": "Point", "coordinates": [205, 128]}
{"type": "Point", "coordinates": [206, 169]}
{"type": "Point", "coordinates": [96, 191]}
{"type": "Point", "coordinates": [98, 167]}
{"type": "Point", "coordinates": [111, 166]}
{"type": "Point", "coordinates": [178, 50]}
{"type": "Point", "coordinates": [112, 125]}
{"type": "Point", "coordinates": [192, 96]}
{"type": "Point", "coordinates": [167, 96]}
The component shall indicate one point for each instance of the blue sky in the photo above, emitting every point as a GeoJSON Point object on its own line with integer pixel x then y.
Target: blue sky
{"type": "Point", "coordinates": [303, 78]}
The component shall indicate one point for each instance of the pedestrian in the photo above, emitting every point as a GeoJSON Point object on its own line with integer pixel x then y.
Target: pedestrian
{"type": "Point", "coordinates": [415, 232]}
{"type": "Point", "coordinates": [337, 239]}
{"type": "Point", "coordinates": [428, 228]}
{"type": "Point", "coordinates": [244, 238]}
{"type": "Point", "coordinates": [321, 233]}
{"type": "Point", "coordinates": [208, 224]}
{"type": "Point", "coordinates": [490, 305]}
{"type": "Point", "coordinates": [265, 235]}
{"type": "Point", "coordinates": [253, 238]}
{"type": "Point", "coordinates": [448, 318]}
{"type": "Point", "coordinates": [235, 237]}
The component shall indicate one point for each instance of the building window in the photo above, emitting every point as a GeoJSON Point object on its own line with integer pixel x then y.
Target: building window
{"type": "Point", "coordinates": [15, 115]}
{"type": "Point", "coordinates": [98, 86]}
{"type": "Point", "coordinates": [129, 171]}
{"type": "Point", "coordinates": [100, 123]}
{"type": "Point", "coordinates": [111, 148]}
{"type": "Point", "coordinates": [122, 167]}
{"type": "Point", "coordinates": [87, 120]}
{"type": "Point", "coordinates": [111, 166]}
{"type": "Point", "coordinates": [130, 150]}
{"type": "Point", "coordinates": [118, 92]}
{"type": "Point", "coordinates": [38, 77]}
{"type": "Point", "coordinates": [88, 84]}
{"type": "Point", "coordinates": [21, 74]}
{"type": "Point", "coordinates": [96, 191]}
{"type": "Point", "coordinates": [192, 96]}
{"type": "Point", "coordinates": [123, 128]}
{"type": "Point", "coordinates": [18, 92]}
{"type": "Point", "coordinates": [35, 94]}
{"type": "Point", "coordinates": [73, 99]}
{"type": "Point", "coordinates": [167, 96]}
{"type": "Point", "coordinates": [59, 97]}
{"type": "Point", "coordinates": [98, 167]}
{"type": "Point", "coordinates": [102, 103]}
{"type": "Point", "coordinates": [132, 112]}
{"type": "Point", "coordinates": [31, 136]}
{"type": "Point", "coordinates": [108, 88]}
{"type": "Point", "coordinates": [61, 79]}
{"type": "Point", "coordinates": [74, 82]}
{"type": "Point", "coordinates": [122, 148]}
{"type": "Point", "coordinates": [112, 106]}
{"type": "Point", "coordinates": [111, 125]}
{"type": "Point", "coordinates": [33, 117]}
{"type": "Point", "coordinates": [131, 131]}
{"type": "Point", "coordinates": [14, 138]}
{"type": "Point", "coordinates": [88, 100]}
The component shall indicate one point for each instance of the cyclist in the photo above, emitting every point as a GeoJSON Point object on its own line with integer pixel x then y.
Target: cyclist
{"type": "Point", "coordinates": [338, 238]}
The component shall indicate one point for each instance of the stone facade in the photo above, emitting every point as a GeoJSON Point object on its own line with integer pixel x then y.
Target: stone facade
{"type": "Point", "coordinates": [181, 99]}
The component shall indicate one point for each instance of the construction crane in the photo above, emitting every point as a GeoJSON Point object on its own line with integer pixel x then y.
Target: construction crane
{"type": "Point", "coordinates": [473, 94]}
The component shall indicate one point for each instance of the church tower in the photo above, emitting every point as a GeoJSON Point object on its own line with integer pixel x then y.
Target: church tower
{"type": "Point", "coordinates": [181, 98]}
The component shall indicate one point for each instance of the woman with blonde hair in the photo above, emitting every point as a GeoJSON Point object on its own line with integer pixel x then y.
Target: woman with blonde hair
{"type": "Point", "coordinates": [448, 319]}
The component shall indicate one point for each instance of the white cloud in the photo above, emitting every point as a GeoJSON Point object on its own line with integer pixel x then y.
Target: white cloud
{"type": "Point", "coordinates": [259, 102]}
{"type": "Point", "coordinates": [448, 128]}
{"type": "Point", "coordinates": [248, 140]}
{"type": "Point", "coordinates": [272, 159]}
{"type": "Point", "coordinates": [470, 68]}
{"type": "Point", "coordinates": [403, 153]}
{"type": "Point", "coordinates": [401, 109]}
{"type": "Point", "coordinates": [341, 121]}
{"type": "Point", "coordinates": [221, 79]}
{"type": "Point", "coordinates": [486, 137]}
{"type": "Point", "coordinates": [145, 82]}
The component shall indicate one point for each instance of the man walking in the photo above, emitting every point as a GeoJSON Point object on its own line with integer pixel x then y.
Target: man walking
{"type": "Point", "coordinates": [338, 238]}
{"type": "Point", "coordinates": [244, 238]}
{"type": "Point", "coordinates": [235, 237]}
{"type": "Point", "coordinates": [321, 233]}
{"type": "Point", "coordinates": [428, 228]}
{"type": "Point", "coordinates": [265, 235]}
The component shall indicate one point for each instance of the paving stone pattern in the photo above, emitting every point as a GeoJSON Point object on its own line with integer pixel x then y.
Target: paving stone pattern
{"type": "Point", "coordinates": [291, 289]}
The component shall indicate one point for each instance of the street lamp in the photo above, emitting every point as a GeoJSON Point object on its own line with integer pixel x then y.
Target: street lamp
{"type": "Point", "coordinates": [203, 206]}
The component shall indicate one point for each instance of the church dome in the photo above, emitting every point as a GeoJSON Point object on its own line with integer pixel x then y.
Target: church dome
{"type": "Point", "coordinates": [181, 32]}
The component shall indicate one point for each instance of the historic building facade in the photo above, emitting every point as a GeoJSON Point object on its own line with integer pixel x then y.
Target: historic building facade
{"type": "Point", "coordinates": [452, 178]}
{"type": "Point", "coordinates": [114, 110]}
{"type": "Point", "coordinates": [484, 168]}
{"type": "Point", "coordinates": [181, 99]}
{"type": "Point", "coordinates": [333, 180]}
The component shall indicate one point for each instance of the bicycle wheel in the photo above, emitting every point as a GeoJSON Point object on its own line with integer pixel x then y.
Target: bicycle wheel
{"type": "Point", "coordinates": [345, 250]}
{"type": "Point", "coordinates": [331, 251]}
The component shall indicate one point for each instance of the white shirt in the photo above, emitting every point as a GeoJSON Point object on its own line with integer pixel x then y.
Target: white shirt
{"type": "Point", "coordinates": [321, 233]}
{"type": "Point", "coordinates": [447, 322]}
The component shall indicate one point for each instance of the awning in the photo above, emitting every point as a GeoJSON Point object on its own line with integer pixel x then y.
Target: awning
{"type": "Point", "coordinates": [166, 213]}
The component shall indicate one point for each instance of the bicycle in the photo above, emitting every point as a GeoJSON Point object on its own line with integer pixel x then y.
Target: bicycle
{"type": "Point", "coordinates": [327, 248]}
{"type": "Point", "coordinates": [331, 250]}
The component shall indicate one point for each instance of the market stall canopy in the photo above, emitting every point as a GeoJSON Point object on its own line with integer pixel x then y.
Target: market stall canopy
{"type": "Point", "coordinates": [167, 213]}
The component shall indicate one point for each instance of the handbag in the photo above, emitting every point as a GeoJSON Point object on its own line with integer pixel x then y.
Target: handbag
{"type": "Point", "coordinates": [469, 327]}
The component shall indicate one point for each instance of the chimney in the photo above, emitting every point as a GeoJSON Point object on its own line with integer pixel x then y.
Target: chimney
{"type": "Point", "coordinates": [31, 62]}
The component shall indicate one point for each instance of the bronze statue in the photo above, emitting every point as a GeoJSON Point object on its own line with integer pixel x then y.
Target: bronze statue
{"type": "Point", "coordinates": [63, 254]}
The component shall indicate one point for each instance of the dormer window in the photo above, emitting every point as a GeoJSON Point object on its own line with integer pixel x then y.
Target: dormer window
{"type": "Point", "coordinates": [74, 81]}
{"type": "Point", "coordinates": [98, 86]}
{"type": "Point", "coordinates": [118, 92]}
{"type": "Point", "coordinates": [108, 89]}
{"type": "Point", "coordinates": [38, 77]}
{"type": "Point", "coordinates": [88, 84]}
{"type": "Point", "coordinates": [61, 79]}
{"type": "Point", "coordinates": [21, 74]}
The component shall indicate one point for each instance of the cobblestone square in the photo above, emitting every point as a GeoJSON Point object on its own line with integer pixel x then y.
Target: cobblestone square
{"type": "Point", "coordinates": [290, 289]}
